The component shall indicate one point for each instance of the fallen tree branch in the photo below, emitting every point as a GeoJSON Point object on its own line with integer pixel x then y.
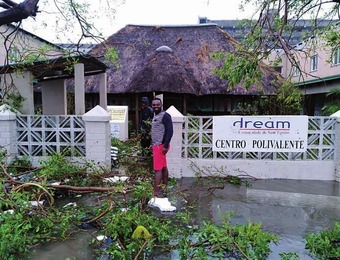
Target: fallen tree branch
{"type": "Point", "coordinates": [89, 188]}
{"type": "Point", "coordinates": [6, 173]}
{"type": "Point", "coordinates": [29, 184]}
{"type": "Point", "coordinates": [100, 215]}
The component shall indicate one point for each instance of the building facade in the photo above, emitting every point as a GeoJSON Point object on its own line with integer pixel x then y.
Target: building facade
{"type": "Point", "coordinates": [315, 68]}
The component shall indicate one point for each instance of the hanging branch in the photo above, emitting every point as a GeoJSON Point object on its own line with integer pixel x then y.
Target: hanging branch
{"type": "Point", "coordinates": [17, 12]}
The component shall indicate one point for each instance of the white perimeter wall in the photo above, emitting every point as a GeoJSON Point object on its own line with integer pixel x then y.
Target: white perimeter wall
{"type": "Point", "coordinates": [300, 170]}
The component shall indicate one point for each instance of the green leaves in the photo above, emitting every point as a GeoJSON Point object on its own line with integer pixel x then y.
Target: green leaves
{"type": "Point", "coordinates": [225, 241]}
{"type": "Point", "coordinates": [57, 166]}
{"type": "Point", "coordinates": [325, 244]}
{"type": "Point", "coordinates": [26, 226]}
{"type": "Point", "coordinates": [238, 69]}
{"type": "Point", "coordinates": [111, 55]}
{"type": "Point", "coordinates": [333, 105]}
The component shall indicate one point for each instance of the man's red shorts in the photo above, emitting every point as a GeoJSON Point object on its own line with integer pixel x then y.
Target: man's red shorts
{"type": "Point", "coordinates": [159, 159]}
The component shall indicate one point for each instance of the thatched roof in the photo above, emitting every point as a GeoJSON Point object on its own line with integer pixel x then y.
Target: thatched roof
{"type": "Point", "coordinates": [172, 59]}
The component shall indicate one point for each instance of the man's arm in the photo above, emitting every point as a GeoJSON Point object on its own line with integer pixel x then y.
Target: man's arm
{"type": "Point", "coordinates": [167, 122]}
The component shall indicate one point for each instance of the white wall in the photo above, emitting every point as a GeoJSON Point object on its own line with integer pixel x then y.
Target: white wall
{"type": "Point", "coordinates": [25, 43]}
{"type": "Point", "coordinates": [297, 170]}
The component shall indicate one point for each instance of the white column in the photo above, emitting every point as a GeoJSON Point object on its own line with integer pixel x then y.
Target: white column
{"type": "Point", "coordinates": [79, 89]}
{"type": "Point", "coordinates": [174, 157]}
{"type": "Point", "coordinates": [337, 150]}
{"type": "Point", "coordinates": [54, 97]}
{"type": "Point", "coordinates": [103, 90]}
{"type": "Point", "coordinates": [98, 136]}
{"type": "Point", "coordinates": [23, 82]}
{"type": "Point", "coordinates": [8, 131]}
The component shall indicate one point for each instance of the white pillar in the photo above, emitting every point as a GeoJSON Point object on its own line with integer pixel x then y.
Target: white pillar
{"type": "Point", "coordinates": [103, 90]}
{"type": "Point", "coordinates": [79, 89]}
{"type": "Point", "coordinates": [174, 157]}
{"type": "Point", "coordinates": [23, 82]}
{"type": "Point", "coordinates": [54, 97]}
{"type": "Point", "coordinates": [337, 150]}
{"type": "Point", "coordinates": [8, 131]}
{"type": "Point", "coordinates": [98, 136]}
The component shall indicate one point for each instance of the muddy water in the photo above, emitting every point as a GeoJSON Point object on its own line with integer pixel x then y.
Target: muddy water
{"type": "Point", "coordinates": [289, 208]}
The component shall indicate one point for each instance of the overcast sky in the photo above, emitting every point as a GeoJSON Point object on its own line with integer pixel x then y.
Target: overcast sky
{"type": "Point", "coordinates": [176, 11]}
{"type": "Point", "coordinates": [146, 12]}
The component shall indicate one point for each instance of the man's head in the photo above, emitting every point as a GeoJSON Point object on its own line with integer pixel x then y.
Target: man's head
{"type": "Point", "coordinates": [157, 105]}
{"type": "Point", "coordinates": [144, 102]}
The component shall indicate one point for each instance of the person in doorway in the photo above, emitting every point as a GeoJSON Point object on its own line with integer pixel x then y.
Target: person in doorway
{"type": "Point", "coordinates": [145, 124]}
{"type": "Point", "coordinates": [161, 134]}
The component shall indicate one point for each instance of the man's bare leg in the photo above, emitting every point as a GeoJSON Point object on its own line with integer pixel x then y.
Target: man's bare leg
{"type": "Point", "coordinates": [157, 183]}
{"type": "Point", "coordinates": [165, 179]}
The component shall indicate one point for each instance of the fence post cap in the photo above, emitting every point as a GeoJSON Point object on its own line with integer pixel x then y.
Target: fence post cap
{"type": "Point", "coordinates": [7, 112]}
{"type": "Point", "coordinates": [337, 115]}
{"type": "Point", "coordinates": [175, 114]}
{"type": "Point", "coordinates": [97, 114]}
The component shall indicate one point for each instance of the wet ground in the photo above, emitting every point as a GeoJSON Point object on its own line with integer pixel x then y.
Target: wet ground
{"type": "Point", "coordinates": [289, 208]}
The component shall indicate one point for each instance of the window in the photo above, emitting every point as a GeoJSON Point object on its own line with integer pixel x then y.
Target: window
{"type": "Point", "coordinates": [278, 69]}
{"type": "Point", "coordinates": [336, 56]}
{"type": "Point", "coordinates": [296, 70]}
{"type": "Point", "coordinates": [314, 63]}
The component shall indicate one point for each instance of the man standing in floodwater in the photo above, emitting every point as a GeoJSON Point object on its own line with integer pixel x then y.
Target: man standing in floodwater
{"type": "Point", "coordinates": [161, 134]}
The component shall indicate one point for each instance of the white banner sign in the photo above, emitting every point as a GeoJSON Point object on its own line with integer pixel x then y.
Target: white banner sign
{"type": "Point", "coordinates": [260, 133]}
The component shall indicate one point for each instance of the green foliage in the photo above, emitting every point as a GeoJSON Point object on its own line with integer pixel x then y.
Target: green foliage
{"type": "Point", "coordinates": [18, 164]}
{"type": "Point", "coordinates": [191, 243]}
{"type": "Point", "coordinates": [3, 155]}
{"type": "Point", "coordinates": [111, 55]}
{"type": "Point", "coordinates": [56, 167]}
{"type": "Point", "coordinates": [331, 36]}
{"type": "Point", "coordinates": [332, 105]}
{"type": "Point", "coordinates": [15, 100]}
{"type": "Point", "coordinates": [226, 241]}
{"type": "Point", "coordinates": [22, 54]}
{"type": "Point", "coordinates": [325, 244]}
{"type": "Point", "coordinates": [118, 143]}
{"type": "Point", "coordinates": [69, 64]}
{"type": "Point", "coordinates": [288, 101]}
{"type": "Point", "coordinates": [28, 225]}
{"type": "Point", "coordinates": [330, 108]}
{"type": "Point", "coordinates": [122, 226]}
{"type": "Point", "coordinates": [142, 190]}
{"type": "Point", "coordinates": [238, 69]}
{"type": "Point", "coordinates": [131, 159]}
{"type": "Point", "coordinates": [289, 256]}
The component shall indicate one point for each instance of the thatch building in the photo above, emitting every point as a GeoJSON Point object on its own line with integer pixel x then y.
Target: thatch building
{"type": "Point", "coordinates": [174, 61]}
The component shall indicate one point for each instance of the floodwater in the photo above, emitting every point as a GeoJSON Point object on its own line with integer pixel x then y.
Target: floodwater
{"type": "Point", "coordinates": [288, 208]}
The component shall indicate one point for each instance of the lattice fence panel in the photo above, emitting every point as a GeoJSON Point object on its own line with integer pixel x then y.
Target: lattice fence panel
{"type": "Point", "coordinates": [41, 135]}
{"type": "Point", "coordinates": [197, 142]}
